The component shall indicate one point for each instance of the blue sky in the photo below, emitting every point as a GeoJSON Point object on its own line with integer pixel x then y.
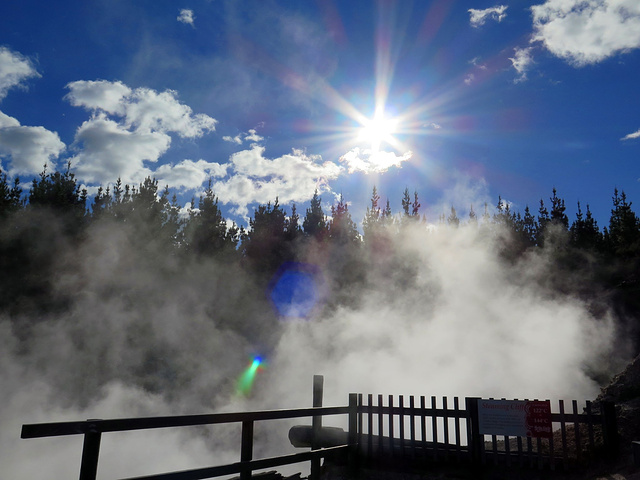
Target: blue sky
{"type": "Point", "coordinates": [472, 99]}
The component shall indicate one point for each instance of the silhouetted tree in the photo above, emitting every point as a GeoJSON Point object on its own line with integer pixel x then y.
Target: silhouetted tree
{"type": "Point", "coordinates": [10, 195]}
{"type": "Point", "coordinates": [315, 221]}
{"type": "Point", "coordinates": [206, 232]}
{"type": "Point", "coordinates": [624, 228]}
{"type": "Point", "coordinates": [342, 228]}
{"type": "Point", "coordinates": [585, 233]}
{"type": "Point", "coordinates": [265, 244]}
{"type": "Point", "coordinates": [557, 215]}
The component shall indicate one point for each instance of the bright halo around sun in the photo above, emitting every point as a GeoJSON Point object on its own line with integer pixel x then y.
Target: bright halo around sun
{"type": "Point", "coordinates": [377, 130]}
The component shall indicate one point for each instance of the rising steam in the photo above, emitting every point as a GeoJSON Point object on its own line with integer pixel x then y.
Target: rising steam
{"type": "Point", "coordinates": [147, 335]}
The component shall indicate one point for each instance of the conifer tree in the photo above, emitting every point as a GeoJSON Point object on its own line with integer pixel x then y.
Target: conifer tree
{"type": "Point", "coordinates": [584, 231]}
{"type": "Point", "coordinates": [342, 228]}
{"type": "Point", "coordinates": [624, 227]}
{"type": "Point", "coordinates": [315, 221]}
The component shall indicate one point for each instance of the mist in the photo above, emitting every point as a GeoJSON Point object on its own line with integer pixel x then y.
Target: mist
{"type": "Point", "coordinates": [439, 311]}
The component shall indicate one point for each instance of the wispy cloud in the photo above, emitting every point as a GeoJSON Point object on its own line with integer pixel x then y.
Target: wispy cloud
{"type": "Point", "coordinates": [521, 62]}
{"type": "Point", "coordinates": [468, 79]}
{"type": "Point", "coordinates": [14, 69]}
{"type": "Point", "coordinates": [479, 17]}
{"type": "Point", "coordinates": [186, 16]}
{"type": "Point", "coordinates": [631, 136]}
{"type": "Point", "coordinates": [587, 32]}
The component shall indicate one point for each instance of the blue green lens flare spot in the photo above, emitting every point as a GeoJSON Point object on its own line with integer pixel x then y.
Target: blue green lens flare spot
{"type": "Point", "coordinates": [245, 382]}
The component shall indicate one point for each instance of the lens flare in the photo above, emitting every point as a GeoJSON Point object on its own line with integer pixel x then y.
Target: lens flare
{"type": "Point", "coordinates": [245, 382]}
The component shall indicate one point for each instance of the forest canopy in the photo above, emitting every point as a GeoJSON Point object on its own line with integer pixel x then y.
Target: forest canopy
{"type": "Point", "coordinates": [44, 226]}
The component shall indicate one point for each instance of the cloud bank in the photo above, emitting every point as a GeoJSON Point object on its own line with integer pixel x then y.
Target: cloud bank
{"type": "Point", "coordinates": [129, 127]}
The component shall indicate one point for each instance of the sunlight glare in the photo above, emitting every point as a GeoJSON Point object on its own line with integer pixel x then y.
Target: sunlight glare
{"type": "Point", "coordinates": [377, 130]}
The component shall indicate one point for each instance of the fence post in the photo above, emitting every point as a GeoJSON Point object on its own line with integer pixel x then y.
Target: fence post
{"type": "Point", "coordinates": [353, 435]}
{"type": "Point", "coordinates": [316, 425]}
{"type": "Point", "coordinates": [246, 448]}
{"type": "Point", "coordinates": [610, 428]}
{"type": "Point", "coordinates": [475, 440]}
{"type": "Point", "coordinates": [90, 453]}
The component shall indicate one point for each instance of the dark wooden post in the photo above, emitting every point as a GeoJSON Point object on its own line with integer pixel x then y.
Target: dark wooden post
{"type": "Point", "coordinates": [90, 453]}
{"type": "Point", "coordinates": [475, 440]}
{"type": "Point", "coordinates": [353, 435]}
{"type": "Point", "coordinates": [610, 429]}
{"type": "Point", "coordinates": [316, 424]}
{"type": "Point", "coordinates": [246, 448]}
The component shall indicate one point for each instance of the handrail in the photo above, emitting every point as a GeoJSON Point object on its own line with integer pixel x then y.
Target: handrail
{"type": "Point", "coordinates": [39, 430]}
{"type": "Point", "coordinates": [93, 429]}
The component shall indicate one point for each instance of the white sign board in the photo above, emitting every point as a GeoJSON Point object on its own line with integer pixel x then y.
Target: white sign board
{"type": "Point", "coordinates": [515, 418]}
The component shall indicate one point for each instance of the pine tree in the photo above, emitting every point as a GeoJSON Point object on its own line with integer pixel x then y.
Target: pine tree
{"type": "Point", "coordinates": [584, 231]}
{"type": "Point", "coordinates": [452, 219]}
{"type": "Point", "coordinates": [206, 232]}
{"type": "Point", "coordinates": [372, 218]}
{"type": "Point", "coordinates": [315, 221]}
{"type": "Point", "coordinates": [342, 228]}
{"type": "Point", "coordinates": [557, 216]}
{"type": "Point", "coordinates": [624, 227]}
{"type": "Point", "coordinates": [10, 196]}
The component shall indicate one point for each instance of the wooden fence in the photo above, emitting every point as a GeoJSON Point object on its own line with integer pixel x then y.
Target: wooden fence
{"type": "Point", "coordinates": [413, 433]}
{"type": "Point", "coordinates": [421, 431]}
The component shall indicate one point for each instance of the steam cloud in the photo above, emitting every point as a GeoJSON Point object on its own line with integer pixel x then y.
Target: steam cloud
{"type": "Point", "coordinates": [147, 335]}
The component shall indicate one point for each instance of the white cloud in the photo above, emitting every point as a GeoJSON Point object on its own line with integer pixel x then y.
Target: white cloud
{"type": "Point", "coordinates": [189, 174]}
{"type": "Point", "coordinates": [251, 135]}
{"type": "Point", "coordinates": [142, 108]}
{"type": "Point", "coordinates": [368, 161]}
{"type": "Point", "coordinates": [130, 127]}
{"type": "Point", "coordinates": [631, 136]}
{"type": "Point", "coordinates": [14, 69]}
{"type": "Point", "coordinates": [256, 179]}
{"type": "Point", "coordinates": [186, 16]}
{"type": "Point", "coordinates": [521, 62]}
{"type": "Point", "coordinates": [469, 78]}
{"type": "Point", "coordinates": [237, 139]}
{"type": "Point", "coordinates": [586, 32]}
{"type": "Point", "coordinates": [479, 17]}
{"type": "Point", "coordinates": [109, 97]}
{"type": "Point", "coordinates": [28, 148]}
{"type": "Point", "coordinates": [110, 151]}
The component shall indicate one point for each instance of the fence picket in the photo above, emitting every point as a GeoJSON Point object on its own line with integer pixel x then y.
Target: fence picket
{"type": "Point", "coordinates": [412, 419]}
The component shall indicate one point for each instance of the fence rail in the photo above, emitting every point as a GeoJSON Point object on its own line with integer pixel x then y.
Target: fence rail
{"type": "Point", "coordinates": [93, 430]}
{"type": "Point", "coordinates": [416, 432]}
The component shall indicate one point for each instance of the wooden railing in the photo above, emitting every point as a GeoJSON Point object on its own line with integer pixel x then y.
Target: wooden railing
{"type": "Point", "coordinates": [93, 430]}
{"type": "Point", "coordinates": [413, 433]}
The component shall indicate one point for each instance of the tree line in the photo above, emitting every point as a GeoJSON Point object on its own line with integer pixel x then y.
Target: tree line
{"type": "Point", "coordinates": [54, 214]}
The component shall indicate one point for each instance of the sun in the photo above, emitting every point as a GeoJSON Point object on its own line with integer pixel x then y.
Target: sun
{"type": "Point", "coordinates": [376, 130]}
